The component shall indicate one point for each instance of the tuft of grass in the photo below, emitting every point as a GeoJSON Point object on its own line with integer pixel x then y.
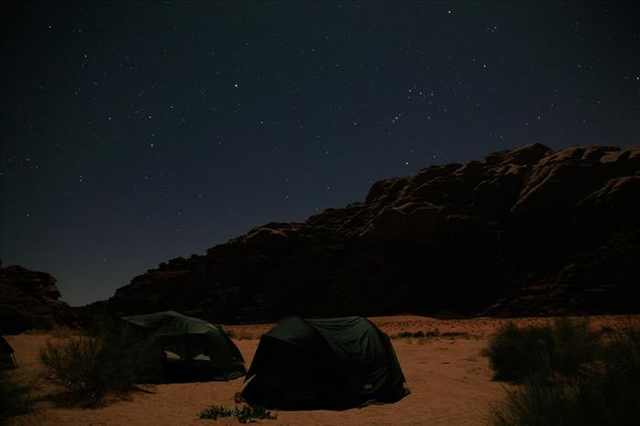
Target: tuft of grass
{"type": "Point", "coordinates": [535, 404]}
{"type": "Point", "coordinates": [429, 334]}
{"type": "Point", "coordinates": [417, 334]}
{"type": "Point", "coordinates": [573, 347]}
{"type": "Point", "coordinates": [519, 353]}
{"type": "Point", "coordinates": [15, 399]}
{"type": "Point", "coordinates": [89, 367]}
{"type": "Point", "coordinates": [64, 332]}
{"type": "Point", "coordinates": [245, 414]}
{"type": "Point", "coordinates": [605, 391]}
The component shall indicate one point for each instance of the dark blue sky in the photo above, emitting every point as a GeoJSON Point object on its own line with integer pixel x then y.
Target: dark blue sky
{"type": "Point", "coordinates": [135, 132]}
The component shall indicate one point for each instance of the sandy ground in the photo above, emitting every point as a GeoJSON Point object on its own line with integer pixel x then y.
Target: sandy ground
{"type": "Point", "coordinates": [450, 382]}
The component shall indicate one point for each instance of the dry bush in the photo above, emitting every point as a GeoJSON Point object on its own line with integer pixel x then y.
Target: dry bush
{"type": "Point", "coordinates": [89, 367]}
{"type": "Point", "coordinates": [15, 399]}
{"type": "Point", "coordinates": [602, 392]}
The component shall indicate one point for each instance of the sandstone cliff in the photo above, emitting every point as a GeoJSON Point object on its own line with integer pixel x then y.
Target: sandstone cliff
{"type": "Point", "coordinates": [525, 231]}
{"type": "Point", "coordinates": [30, 299]}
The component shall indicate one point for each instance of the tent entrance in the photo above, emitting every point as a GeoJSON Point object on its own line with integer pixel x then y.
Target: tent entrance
{"type": "Point", "coordinates": [296, 377]}
{"type": "Point", "coordinates": [172, 347]}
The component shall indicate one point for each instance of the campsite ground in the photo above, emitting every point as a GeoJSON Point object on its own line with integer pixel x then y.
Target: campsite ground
{"type": "Point", "coordinates": [450, 381]}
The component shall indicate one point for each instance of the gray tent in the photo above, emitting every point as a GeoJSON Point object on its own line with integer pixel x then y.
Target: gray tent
{"type": "Point", "coordinates": [324, 363]}
{"type": "Point", "coordinates": [173, 347]}
{"type": "Point", "coordinates": [7, 359]}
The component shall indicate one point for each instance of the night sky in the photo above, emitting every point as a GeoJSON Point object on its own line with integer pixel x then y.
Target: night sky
{"type": "Point", "coordinates": [134, 132]}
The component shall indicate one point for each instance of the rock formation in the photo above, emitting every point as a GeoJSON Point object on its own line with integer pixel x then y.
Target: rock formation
{"type": "Point", "coordinates": [29, 299]}
{"type": "Point", "coordinates": [524, 231]}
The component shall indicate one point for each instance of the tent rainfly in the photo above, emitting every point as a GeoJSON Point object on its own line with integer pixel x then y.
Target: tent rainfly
{"type": "Point", "coordinates": [324, 363]}
{"type": "Point", "coordinates": [173, 347]}
{"type": "Point", "coordinates": [7, 358]}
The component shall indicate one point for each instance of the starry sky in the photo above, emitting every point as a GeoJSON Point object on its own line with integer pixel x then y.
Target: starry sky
{"type": "Point", "coordinates": [134, 132]}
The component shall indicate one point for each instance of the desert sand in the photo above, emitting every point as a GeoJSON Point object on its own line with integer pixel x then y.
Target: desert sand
{"type": "Point", "coordinates": [449, 379]}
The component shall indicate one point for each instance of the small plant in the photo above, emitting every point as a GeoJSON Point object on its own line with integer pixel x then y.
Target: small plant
{"type": "Point", "coordinates": [245, 414]}
{"type": "Point", "coordinates": [89, 367]}
{"type": "Point", "coordinates": [454, 334]}
{"type": "Point", "coordinates": [518, 353]}
{"type": "Point", "coordinates": [429, 334]}
{"type": "Point", "coordinates": [417, 334]}
{"type": "Point", "coordinates": [604, 391]}
{"type": "Point", "coordinates": [14, 398]}
{"type": "Point", "coordinates": [63, 332]}
{"type": "Point", "coordinates": [535, 404]}
{"type": "Point", "coordinates": [573, 346]}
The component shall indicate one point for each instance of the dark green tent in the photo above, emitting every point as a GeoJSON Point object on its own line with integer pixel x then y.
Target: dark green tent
{"type": "Point", "coordinates": [7, 359]}
{"type": "Point", "coordinates": [169, 346]}
{"type": "Point", "coordinates": [323, 363]}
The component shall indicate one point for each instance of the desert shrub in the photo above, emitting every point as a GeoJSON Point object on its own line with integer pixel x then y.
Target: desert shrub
{"type": "Point", "coordinates": [455, 334]}
{"type": "Point", "coordinates": [14, 398]}
{"type": "Point", "coordinates": [518, 353]}
{"type": "Point", "coordinates": [416, 334]}
{"type": "Point", "coordinates": [429, 334]}
{"type": "Point", "coordinates": [535, 404]}
{"type": "Point", "coordinates": [573, 346]}
{"type": "Point", "coordinates": [64, 332]}
{"type": "Point", "coordinates": [245, 414]}
{"type": "Point", "coordinates": [606, 392]}
{"type": "Point", "coordinates": [89, 367]}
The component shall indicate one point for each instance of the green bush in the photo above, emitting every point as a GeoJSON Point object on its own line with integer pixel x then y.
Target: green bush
{"type": "Point", "coordinates": [90, 367]}
{"type": "Point", "coordinates": [604, 392]}
{"type": "Point", "coordinates": [519, 353]}
{"type": "Point", "coordinates": [244, 414]}
{"type": "Point", "coordinates": [14, 398]}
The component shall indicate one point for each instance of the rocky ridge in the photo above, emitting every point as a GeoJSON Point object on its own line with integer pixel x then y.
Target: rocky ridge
{"type": "Point", "coordinates": [30, 299]}
{"type": "Point", "coordinates": [522, 232]}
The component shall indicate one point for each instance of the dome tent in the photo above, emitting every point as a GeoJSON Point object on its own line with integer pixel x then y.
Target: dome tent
{"type": "Point", "coordinates": [323, 363]}
{"type": "Point", "coordinates": [169, 346]}
{"type": "Point", "coordinates": [7, 359]}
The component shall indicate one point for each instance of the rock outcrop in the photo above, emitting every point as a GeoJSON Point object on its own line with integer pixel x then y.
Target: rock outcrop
{"type": "Point", "coordinates": [30, 299]}
{"type": "Point", "coordinates": [525, 231]}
